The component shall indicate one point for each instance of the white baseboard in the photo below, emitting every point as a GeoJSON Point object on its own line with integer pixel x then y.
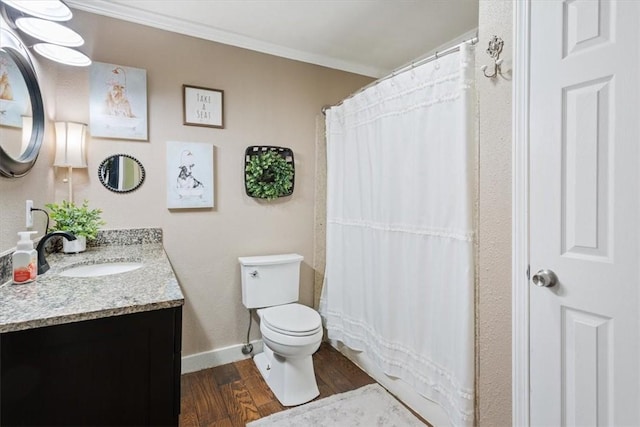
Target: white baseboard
{"type": "Point", "coordinates": [217, 357]}
{"type": "Point", "coordinates": [427, 409]}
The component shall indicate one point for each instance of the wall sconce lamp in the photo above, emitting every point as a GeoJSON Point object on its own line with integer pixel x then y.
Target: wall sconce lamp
{"type": "Point", "coordinates": [70, 149]}
{"type": "Point", "coordinates": [36, 19]}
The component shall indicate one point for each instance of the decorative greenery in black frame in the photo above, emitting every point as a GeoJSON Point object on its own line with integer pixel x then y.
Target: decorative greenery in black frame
{"type": "Point", "coordinates": [269, 172]}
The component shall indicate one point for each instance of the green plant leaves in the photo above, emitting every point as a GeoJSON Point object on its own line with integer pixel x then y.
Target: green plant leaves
{"type": "Point", "coordinates": [77, 220]}
{"type": "Point", "coordinates": [268, 175]}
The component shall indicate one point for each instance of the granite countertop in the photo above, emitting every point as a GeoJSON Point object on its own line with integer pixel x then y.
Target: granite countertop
{"type": "Point", "coordinates": [54, 299]}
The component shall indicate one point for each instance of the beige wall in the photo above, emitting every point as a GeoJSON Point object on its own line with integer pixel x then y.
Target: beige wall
{"type": "Point", "coordinates": [268, 100]}
{"type": "Point", "coordinates": [494, 256]}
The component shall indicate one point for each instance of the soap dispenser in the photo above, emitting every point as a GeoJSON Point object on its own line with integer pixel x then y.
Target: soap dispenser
{"type": "Point", "coordinates": [25, 259]}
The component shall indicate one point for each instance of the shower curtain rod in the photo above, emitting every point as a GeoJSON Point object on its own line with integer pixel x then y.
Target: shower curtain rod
{"type": "Point", "coordinates": [412, 65]}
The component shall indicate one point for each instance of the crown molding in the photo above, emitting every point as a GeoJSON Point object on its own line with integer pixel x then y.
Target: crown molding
{"type": "Point", "coordinates": [168, 23]}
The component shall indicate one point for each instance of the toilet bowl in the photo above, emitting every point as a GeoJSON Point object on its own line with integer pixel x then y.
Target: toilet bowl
{"type": "Point", "coordinates": [291, 330]}
{"type": "Point", "coordinates": [291, 334]}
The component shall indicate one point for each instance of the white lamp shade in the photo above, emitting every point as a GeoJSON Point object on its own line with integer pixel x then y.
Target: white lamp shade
{"type": "Point", "coordinates": [70, 145]}
{"type": "Point", "coordinates": [53, 10]}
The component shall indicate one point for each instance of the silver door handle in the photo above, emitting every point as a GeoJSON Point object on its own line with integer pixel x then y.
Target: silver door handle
{"type": "Point", "coordinates": [545, 279]}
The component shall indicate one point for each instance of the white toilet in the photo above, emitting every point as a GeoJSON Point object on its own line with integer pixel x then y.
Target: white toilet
{"type": "Point", "coordinates": [291, 332]}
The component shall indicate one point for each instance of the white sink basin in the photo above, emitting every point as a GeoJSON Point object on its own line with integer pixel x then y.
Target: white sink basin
{"type": "Point", "coordinates": [102, 269]}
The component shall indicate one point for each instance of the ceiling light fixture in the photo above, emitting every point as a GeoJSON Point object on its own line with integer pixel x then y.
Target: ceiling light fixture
{"type": "Point", "coordinates": [58, 39]}
{"type": "Point", "coordinates": [64, 55]}
{"type": "Point", "coordinates": [53, 10]}
{"type": "Point", "coordinates": [50, 32]}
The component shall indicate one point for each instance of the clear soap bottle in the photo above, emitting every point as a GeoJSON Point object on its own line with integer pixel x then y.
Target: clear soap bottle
{"type": "Point", "coordinates": [25, 259]}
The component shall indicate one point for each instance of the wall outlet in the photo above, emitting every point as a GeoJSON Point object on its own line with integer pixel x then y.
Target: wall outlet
{"type": "Point", "coordinates": [29, 214]}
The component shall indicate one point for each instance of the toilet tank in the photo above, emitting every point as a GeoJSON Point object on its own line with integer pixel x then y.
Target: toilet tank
{"type": "Point", "coordinates": [270, 280]}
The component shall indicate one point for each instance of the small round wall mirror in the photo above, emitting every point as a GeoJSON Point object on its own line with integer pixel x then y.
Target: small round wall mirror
{"type": "Point", "coordinates": [21, 108]}
{"type": "Point", "coordinates": [121, 173]}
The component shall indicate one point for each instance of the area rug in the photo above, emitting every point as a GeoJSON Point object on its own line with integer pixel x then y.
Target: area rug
{"type": "Point", "coordinates": [368, 406]}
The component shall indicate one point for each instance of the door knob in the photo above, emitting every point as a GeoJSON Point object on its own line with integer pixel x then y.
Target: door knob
{"type": "Point", "coordinates": [545, 279]}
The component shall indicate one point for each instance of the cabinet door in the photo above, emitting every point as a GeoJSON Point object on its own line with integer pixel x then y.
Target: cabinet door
{"type": "Point", "coordinates": [113, 371]}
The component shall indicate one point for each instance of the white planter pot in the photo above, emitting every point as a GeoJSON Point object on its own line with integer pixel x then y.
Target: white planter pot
{"type": "Point", "coordinates": [74, 246]}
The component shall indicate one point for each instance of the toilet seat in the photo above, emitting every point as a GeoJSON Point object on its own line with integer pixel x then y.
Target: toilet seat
{"type": "Point", "coordinates": [294, 320]}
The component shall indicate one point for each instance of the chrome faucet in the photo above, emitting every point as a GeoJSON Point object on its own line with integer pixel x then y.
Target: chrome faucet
{"type": "Point", "coordinates": [43, 265]}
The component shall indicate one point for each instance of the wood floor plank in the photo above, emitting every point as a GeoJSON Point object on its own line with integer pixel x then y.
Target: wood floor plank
{"type": "Point", "coordinates": [208, 401]}
{"type": "Point", "coordinates": [324, 388]}
{"type": "Point", "coordinates": [188, 413]}
{"type": "Point", "coordinates": [225, 374]}
{"type": "Point", "coordinates": [188, 420]}
{"type": "Point", "coordinates": [246, 368]}
{"type": "Point", "coordinates": [330, 375]}
{"type": "Point", "coordinates": [240, 405]}
{"type": "Point", "coordinates": [271, 408]}
{"type": "Point", "coordinates": [259, 390]}
{"type": "Point", "coordinates": [356, 376]}
{"type": "Point", "coordinates": [225, 422]}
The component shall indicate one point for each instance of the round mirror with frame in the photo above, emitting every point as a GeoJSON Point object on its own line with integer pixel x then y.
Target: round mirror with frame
{"type": "Point", "coordinates": [121, 173]}
{"type": "Point", "coordinates": [21, 108]}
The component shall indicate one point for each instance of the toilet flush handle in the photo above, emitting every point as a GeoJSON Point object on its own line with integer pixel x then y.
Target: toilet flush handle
{"type": "Point", "coordinates": [254, 274]}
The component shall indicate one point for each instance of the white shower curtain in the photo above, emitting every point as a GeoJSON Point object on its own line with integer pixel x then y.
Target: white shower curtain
{"type": "Point", "coordinates": [399, 278]}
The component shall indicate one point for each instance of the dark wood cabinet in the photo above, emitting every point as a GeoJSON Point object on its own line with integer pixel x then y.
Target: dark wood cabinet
{"type": "Point", "coordinates": [121, 370]}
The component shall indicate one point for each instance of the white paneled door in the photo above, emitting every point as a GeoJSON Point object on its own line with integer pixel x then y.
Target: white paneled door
{"type": "Point", "coordinates": [584, 213]}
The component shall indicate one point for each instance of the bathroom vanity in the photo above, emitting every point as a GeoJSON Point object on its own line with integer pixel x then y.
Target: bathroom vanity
{"type": "Point", "coordinates": [101, 350]}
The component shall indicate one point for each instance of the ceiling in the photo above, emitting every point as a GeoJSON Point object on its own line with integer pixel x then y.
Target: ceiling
{"type": "Point", "coordinates": [369, 37]}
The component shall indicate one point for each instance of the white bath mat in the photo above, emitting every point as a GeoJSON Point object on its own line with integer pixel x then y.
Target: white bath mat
{"type": "Point", "coordinates": [368, 406]}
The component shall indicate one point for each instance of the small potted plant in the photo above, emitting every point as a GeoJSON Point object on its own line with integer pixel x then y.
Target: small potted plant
{"type": "Point", "coordinates": [80, 221]}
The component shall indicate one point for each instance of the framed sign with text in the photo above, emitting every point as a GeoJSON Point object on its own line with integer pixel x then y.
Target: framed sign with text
{"type": "Point", "coordinates": [203, 106]}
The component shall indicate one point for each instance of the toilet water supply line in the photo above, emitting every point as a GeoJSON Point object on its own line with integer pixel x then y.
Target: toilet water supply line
{"type": "Point", "coordinates": [247, 348]}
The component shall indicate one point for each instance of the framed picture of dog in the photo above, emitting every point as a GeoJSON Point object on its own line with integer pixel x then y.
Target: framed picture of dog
{"type": "Point", "coordinates": [203, 106]}
{"type": "Point", "coordinates": [118, 102]}
{"type": "Point", "coordinates": [189, 175]}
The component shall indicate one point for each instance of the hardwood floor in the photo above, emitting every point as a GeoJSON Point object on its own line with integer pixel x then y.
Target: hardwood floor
{"type": "Point", "coordinates": [234, 394]}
